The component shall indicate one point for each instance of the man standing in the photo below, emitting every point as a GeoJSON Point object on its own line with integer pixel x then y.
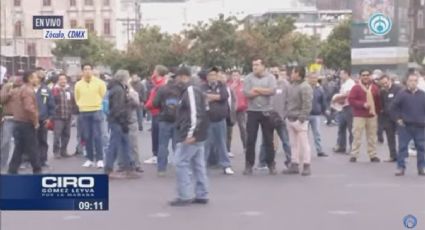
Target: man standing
{"type": "Point", "coordinates": [25, 117]}
{"type": "Point", "coordinates": [259, 87]}
{"type": "Point", "coordinates": [241, 105]}
{"type": "Point", "coordinates": [280, 109]}
{"type": "Point", "coordinates": [138, 86]}
{"type": "Point", "coordinates": [89, 93]}
{"type": "Point", "coordinates": [216, 94]}
{"type": "Point", "coordinates": [388, 94]}
{"type": "Point", "coordinates": [119, 121]}
{"type": "Point", "coordinates": [299, 104]}
{"type": "Point", "coordinates": [366, 104]}
{"type": "Point", "coordinates": [64, 102]}
{"type": "Point", "coordinates": [318, 109]}
{"type": "Point", "coordinates": [409, 110]}
{"type": "Point", "coordinates": [8, 99]}
{"type": "Point", "coordinates": [191, 127]}
{"type": "Point", "coordinates": [158, 80]}
{"type": "Point", "coordinates": [46, 108]}
{"type": "Point", "coordinates": [345, 116]}
{"type": "Point", "coordinates": [166, 99]}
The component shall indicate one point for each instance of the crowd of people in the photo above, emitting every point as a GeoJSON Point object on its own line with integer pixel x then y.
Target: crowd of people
{"type": "Point", "coordinates": [196, 114]}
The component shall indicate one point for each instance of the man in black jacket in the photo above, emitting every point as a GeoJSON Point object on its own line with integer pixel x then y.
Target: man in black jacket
{"type": "Point", "coordinates": [409, 110]}
{"type": "Point", "coordinates": [191, 133]}
{"type": "Point", "coordinates": [119, 120]}
{"type": "Point", "coordinates": [217, 96]}
{"type": "Point", "coordinates": [166, 100]}
{"type": "Point", "coordinates": [388, 94]}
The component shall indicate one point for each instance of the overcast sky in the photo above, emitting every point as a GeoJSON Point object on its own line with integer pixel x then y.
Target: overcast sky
{"type": "Point", "coordinates": [171, 16]}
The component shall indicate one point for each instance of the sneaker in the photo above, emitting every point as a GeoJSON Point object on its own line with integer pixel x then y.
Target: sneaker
{"type": "Point", "coordinates": [375, 160]}
{"type": "Point", "coordinates": [322, 155]}
{"type": "Point", "coordinates": [353, 160]}
{"type": "Point", "coordinates": [200, 201]}
{"type": "Point", "coordinates": [261, 167]}
{"type": "Point", "coordinates": [131, 175]}
{"type": "Point", "coordinates": [161, 174]}
{"type": "Point", "coordinates": [399, 172]}
{"type": "Point", "coordinates": [292, 170]}
{"type": "Point", "coordinates": [421, 172]}
{"type": "Point", "coordinates": [100, 164]}
{"type": "Point", "coordinates": [117, 175]}
{"type": "Point", "coordinates": [337, 149]}
{"type": "Point", "coordinates": [180, 203]}
{"type": "Point", "coordinates": [247, 171]}
{"type": "Point", "coordinates": [88, 164]}
{"type": "Point", "coordinates": [413, 152]}
{"type": "Point", "coordinates": [306, 170]}
{"type": "Point", "coordinates": [139, 170]}
{"type": "Point", "coordinates": [231, 155]}
{"type": "Point", "coordinates": [228, 171]}
{"type": "Point", "coordinates": [151, 161]}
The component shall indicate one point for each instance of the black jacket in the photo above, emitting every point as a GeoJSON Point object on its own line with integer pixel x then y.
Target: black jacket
{"type": "Point", "coordinates": [387, 98]}
{"type": "Point", "coordinates": [119, 108]}
{"type": "Point", "coordinates": [409, 107]}
{"type": "Point", "coordinates": [192, 117]}
{"type": "Point", "coordinates": [167, 99]}
{"type": "Point", "coordinates": [217, 110]}
{"type": "Point", "coordinates": [319, 101]}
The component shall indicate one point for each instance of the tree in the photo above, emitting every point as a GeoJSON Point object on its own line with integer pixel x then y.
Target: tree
{"type": "Point", "coordinates": [336, 51]}
{"type": "Point", "coordinates": [94, 50]}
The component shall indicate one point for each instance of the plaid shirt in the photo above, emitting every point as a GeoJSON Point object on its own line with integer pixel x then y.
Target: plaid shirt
{"type": "Point", "coordinates": [64, 102]}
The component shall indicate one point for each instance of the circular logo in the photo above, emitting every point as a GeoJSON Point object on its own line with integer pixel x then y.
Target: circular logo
{"type": "Point", "coordinates": [380, 24]}
{"type": "Point", "coordinates": [410, 221]}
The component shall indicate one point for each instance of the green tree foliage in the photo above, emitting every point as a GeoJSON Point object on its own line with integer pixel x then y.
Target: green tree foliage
{"type": "Point", "coordinates": [94, 50]}
{"type": "Point", "coordinates": [336, 51]}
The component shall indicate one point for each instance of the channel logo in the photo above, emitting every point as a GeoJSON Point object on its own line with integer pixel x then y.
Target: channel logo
{"type": "Point", "coordinates": [380, 24]}
{"type": "Point", "coordinates": [410, 221]}
{"type": "Point", "coordinates": [73, 34]}
{"type": "Point", "coordinates": [67, 186]}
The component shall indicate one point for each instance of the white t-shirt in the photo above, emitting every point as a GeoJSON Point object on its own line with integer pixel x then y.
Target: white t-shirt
{"type": "Point", "coordinates": [346, 88]}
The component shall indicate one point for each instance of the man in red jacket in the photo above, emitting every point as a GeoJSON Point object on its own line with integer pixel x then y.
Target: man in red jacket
{"type": "Point", "coordinates": [158, 80]}
{"type": "Point", "coordinates": [365, 102]}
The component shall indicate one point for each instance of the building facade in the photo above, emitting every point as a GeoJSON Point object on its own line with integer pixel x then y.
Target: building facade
{"type": "Point", "coordinates": [417, 36]}
{"type": "Point", "coordinates": [19, 39]}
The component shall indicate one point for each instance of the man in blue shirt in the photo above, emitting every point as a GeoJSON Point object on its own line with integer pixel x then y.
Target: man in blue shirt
{"type": "Point", "coordinates": [409, 110]}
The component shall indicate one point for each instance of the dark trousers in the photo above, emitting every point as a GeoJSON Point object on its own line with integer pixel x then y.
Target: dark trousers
{"type": "Point", "coordinates": [390, 128]}
{"type": "Point", "coordinates": [381, 128]}
{"type": "Point", "coordinates": [405, 135]}
{"type": "Point", "coordinates": [229, 137]}
{"type": "Point", "coordinates": [25, 143]}
{"type": "Point", "coordinates": [255, 119]}
{"type": "Point", "coordinates": [43, 146]}
{"type": "Point", "coordinates": [345, 125]}
{"type": "Point", "coordinates": [155, 135]}
{"type": "Point", "coordinates": [140, 118]}
{"type": "Point", "coordinates": [62, 133]}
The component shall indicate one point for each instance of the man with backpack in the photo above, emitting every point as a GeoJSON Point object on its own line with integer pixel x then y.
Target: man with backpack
{"type": "Point", "coordinates": [167, 100]}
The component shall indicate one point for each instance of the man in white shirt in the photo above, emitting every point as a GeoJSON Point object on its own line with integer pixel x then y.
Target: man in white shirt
{"type": "Point", "coordinates": [345, 114]}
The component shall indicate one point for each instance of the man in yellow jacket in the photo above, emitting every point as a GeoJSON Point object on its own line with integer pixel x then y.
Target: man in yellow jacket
{"type": "Point", "coordinates": [89, 93]}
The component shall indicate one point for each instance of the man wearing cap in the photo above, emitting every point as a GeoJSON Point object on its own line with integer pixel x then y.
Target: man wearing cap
{"type": "Point", "coordinates": [191, 133]}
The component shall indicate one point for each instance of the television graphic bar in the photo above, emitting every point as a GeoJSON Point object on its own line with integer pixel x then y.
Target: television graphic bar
{"type": "Point", "coordinates": [54, 192]}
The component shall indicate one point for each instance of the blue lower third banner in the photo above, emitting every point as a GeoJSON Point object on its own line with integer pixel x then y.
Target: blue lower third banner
{"type": "Point", "coordinates": [54, 192]}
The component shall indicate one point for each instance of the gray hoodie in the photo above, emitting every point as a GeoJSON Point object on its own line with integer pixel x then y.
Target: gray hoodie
{"type": "Point", "coordinates": [299, 101]}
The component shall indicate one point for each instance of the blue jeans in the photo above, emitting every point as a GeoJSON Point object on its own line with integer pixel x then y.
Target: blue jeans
{"type": "Point", "coordinates": [105, 133]}
{"type": "Point", "coordinates": [5, 142]}
{"type": "Point", "coordinates": [190, 163]}
{"type": "Point", "coordinates": [166, 133]}
{"type": "Point", "coordinates": [405, 135]}
{"type": "Point", "coordinates": [140, 117]}
{"type": "Point", "coordinates": [91, 125]}
{"type": "Point", "coordinates": [282, 132]}
{"type": "Point", "coordinates": [345, 124]}
{"type": "Point", "coordinates": [119, 144]}
{"type": "Point", "coordinates": [314, 122]}
{"type": "Point", "coordinates": [217, 136]}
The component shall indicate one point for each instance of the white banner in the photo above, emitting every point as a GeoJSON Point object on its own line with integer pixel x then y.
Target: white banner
{"type": "Point", "coordinates": [75, 34]}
